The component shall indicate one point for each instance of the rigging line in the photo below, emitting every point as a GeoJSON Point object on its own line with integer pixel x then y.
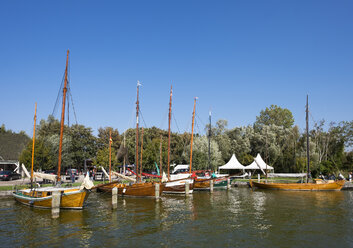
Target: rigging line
{"type": "Point", "coordinates": [185, 140]}
{"type": "Point", "coordinates": [201, 123]}
{"type": "Point", "coordinates": [188, 128]}
{"type": "Point", "coordinates": [200, 119]}
{"type": "Point", "coordinates": [72, 102]}
{"type": "Point", "coordinates": [68, 113]}
{"type": "Point", "coordinates": [312, 118]}
{"type": "Point", "coordinates": [176, 122]}
{"type": "Point", "coordinates": [132, 117]}
{"type": "Point", "coordinates": [164, 119]}
{"type": "Point", "coordinates": [197, 124]}
{"type": "Point", "coordinates": [143, 119]}
{"type": "Point", "coordinates": [59, 96]}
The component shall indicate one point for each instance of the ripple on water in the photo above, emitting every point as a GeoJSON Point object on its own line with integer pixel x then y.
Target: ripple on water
{"type": "Point", "coordinates": [238, 217]}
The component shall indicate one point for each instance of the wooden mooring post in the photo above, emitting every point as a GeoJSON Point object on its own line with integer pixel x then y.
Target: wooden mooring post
{"type": "Point", "coordinates": [115, 198]}
{"type": "Point", "coordinates": [228, 183]}
{"type": "Point", "coordinates": [211, 185]}
{"type": "Point", "coordinates": [187, 188]}
{"type": "Point", "coordinates": [157, 191]}
{"type": "Point", "coordinates": [55, 204]}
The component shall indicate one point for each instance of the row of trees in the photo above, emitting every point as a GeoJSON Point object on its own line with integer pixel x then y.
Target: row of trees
{"type": "Point", "coordinates": [273, 135]}
{"type": "Point", "coordinates": [11, 143]}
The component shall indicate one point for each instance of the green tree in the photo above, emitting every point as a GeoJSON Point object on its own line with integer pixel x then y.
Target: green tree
{"type": "Point", "coordinates": [83, 144]}
{"type": "Point", "coordinates": [102, 158]}
{"type": "Point", "coordinates": [11, 143]}
{"type": "Point", "coordinates": [103, 137]}
{"type": "Point", "coordinates": [275, 116]}
{"type": "Point", "coordinates": [200, 154]}
{"type": "Point", "coordinates": [240, 142]}
{"type": "Point", "coordinates": [42, 156]}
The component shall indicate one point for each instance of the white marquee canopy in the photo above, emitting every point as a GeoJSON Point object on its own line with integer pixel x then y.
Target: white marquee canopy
{"type": "Point", "coordinates": [259, 164]}
{"type": "Point", "coordinates": [233, 164]}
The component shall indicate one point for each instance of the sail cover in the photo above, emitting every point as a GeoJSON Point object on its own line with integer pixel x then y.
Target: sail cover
{"type": "Point", "coordinates": [233, 164]}
{"type": "Point", "coordinates": [45, 176]}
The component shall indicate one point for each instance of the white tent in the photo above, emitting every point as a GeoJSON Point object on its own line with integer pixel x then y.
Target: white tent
{"type": "Point", "coordinates": [258, 164]}
{"type": "Point", "coordinates": [261, 163]}
{"type": "Point", "coordinates": [233, 164]}
{"type": "Point", "coordinates": [252, 166]}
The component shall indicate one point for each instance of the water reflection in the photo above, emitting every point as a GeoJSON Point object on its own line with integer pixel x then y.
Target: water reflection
{"type": "Point", "coordinates": [237, 217]}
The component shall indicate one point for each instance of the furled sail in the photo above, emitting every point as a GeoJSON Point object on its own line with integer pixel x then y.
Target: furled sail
{"type": "Point", "coordinates": [125, 177]}
{"type": "Point", "coordinates": [45, 176]}
{"type": "Point", "coordinates": [87, 183]}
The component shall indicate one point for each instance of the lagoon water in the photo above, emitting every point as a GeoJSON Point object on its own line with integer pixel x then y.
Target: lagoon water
{"type": "Point", "coordinates": [238, 217]}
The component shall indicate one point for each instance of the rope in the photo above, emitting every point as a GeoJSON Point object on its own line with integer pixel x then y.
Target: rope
{"type": "Point", "coordinates": [143, 119]}
{"type": "Point", "coordinates": [176, 123]}
{"type": "Point", "coordinates": [59, 96]}
{"type": "Point", "coordinates": [73, 106]}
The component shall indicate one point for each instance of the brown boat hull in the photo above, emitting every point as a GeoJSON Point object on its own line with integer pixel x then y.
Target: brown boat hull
{"type": "Point", "coordinates": [337, 185]}
{"type": "Point", "coordinates": [200, 184]}
{"type": "Point", "coordinates": [69, 200]}
{"type": "Point", "coordinates": [179, 188]}
{"type": "Point", "coordinates": [136, 189]}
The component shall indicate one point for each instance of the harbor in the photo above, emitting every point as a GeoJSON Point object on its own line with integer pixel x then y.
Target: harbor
{"type": "Point", "coordinates": [238, 217]}
{"type": "Point", "coordinates": [176, 124]}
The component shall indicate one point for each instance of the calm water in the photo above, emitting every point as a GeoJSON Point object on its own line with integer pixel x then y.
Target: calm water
{"type": "Point", "coordinates": [234, 218]}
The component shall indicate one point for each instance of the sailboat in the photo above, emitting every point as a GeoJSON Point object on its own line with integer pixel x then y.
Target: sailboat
{"type": "Point", "coordinates": [176, 183]}
{"type": "Point", "coordinates": [72, 197]}
{"type": "Point", "coordinates": [136, 187]}
{"type": "Point", "coordinates": [203, 182]}
{"type": "Point", "coordinates": [317, 185]}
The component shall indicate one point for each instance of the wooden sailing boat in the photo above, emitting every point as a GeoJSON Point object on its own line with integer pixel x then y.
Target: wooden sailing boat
{"type": "Point", "coordinates": [137, 188]}
{"type": "Point", "coordinates": [73, 197]}
{"type": "Point", "coordinates": [176, 183]}
{"type": "Point", "coordinates": [318, 185]}
{"type": "Point", "coordinates": [199, 183]}
{"type": "Point", "coordinates": [203, 182]}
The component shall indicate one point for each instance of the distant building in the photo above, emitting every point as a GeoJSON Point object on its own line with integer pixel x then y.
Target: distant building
{"type": "Point", "coordinates": [11, 165]}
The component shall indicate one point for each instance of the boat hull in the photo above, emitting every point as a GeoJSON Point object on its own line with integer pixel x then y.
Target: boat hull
{"type": "Point", "coordinates": [136, 189]}
{"type": "Point", "coordinates": [204, 183]}
{"type": "Point", "coordinates": [178, 186]}
{"type": "Point", "coordinates": [336, 185]}
{"type": "Point", "coordinates": [70, 199]}
{"type": "Point", "coordinates": [221, 182]}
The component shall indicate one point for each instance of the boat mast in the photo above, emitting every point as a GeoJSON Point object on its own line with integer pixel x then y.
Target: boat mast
{"type": "Point", "coordinates": [307, 138]}
{"type": "Point", "coordinates": [124, 154]}
{"type": "Point", "coordinates": [62, 118]}
{"type": "Point", "coordinates": [160, 159]}
{"type": "Point", "coordinates": [34, 137]}
{"type": "Point", "coordinates": [170, 114]}
{"type": "Point", "coordinates": [209, 143]}
{"type": "Point", "coordinates": [141, 153]}
{"type": "Point", "coordinates": [192, 134]}
{"type": "Point", "coordinates": [110, 155]}
{"type": "Point", "coordinates": [137, 131]}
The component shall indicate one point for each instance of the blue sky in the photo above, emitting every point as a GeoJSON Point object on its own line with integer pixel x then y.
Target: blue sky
{"type": "Point", "coordinates": [238, 57]}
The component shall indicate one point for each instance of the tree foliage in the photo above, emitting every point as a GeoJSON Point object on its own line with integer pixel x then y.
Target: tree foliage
{"type": "Point", "coordinates": [275, 115]}
{"type": "Point", "coordinates": [11, 143]}
{"type": "Point", "coordinates": [273, 136]}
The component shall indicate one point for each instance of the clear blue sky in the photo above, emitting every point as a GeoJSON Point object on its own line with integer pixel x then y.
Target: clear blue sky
{"type": "Point", "coordinates": [238, 57]}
